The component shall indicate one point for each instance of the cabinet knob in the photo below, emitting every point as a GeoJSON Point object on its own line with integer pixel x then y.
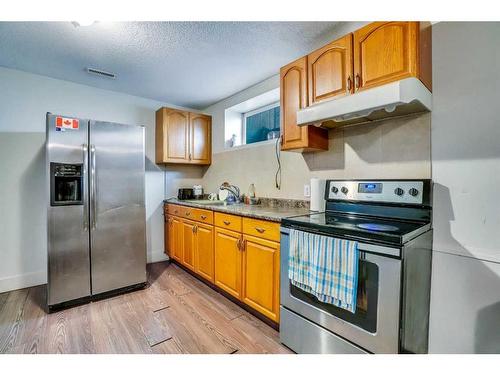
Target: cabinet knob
{"type": "Point", "coordinates": [358, 81]}
{"type": "Point", "coordinates": [226, 222]}
{"type": "Point", "coordinates": [349, 83]}
{"type": "Point", "coordinates": [203, 217]}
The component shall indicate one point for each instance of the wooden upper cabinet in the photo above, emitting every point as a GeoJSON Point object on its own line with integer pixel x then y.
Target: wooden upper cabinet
{"type": "Point", "coordinates": [293, 96]}
{"type": "Point", "coordinates": [385, 52]}
{"type": "Point", "coordinates": [330, 71]}
{"type": "Point", "coordinates": [200, 129]}
{"type": "Point", "coordinates": [182, 137]}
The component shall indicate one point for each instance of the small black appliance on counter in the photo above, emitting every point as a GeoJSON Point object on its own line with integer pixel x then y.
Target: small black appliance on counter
{"type": "Point", "coordinates": [185, 193]}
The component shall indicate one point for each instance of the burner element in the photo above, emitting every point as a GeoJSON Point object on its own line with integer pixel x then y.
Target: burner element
{"type": "Point", "coordinates": [378, 227]}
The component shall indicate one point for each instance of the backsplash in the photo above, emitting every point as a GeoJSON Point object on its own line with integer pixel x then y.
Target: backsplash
{"type": "Point", "coordinates": [395, 148]}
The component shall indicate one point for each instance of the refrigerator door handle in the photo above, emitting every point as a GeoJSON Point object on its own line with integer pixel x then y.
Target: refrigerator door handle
{"type": "Point", "coordinates": [93, 187]}
{"type": "Point", "coordinates": [85, 150]}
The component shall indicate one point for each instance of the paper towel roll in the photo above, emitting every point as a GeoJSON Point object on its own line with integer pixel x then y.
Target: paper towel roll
{"type": "Point", "coordinates": [317, 194]}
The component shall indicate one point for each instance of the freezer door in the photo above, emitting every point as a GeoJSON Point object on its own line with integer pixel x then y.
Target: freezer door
{"type": "Point", "coordinates": [117, 219]}
{"type": "Point", "coordinates": [67, 209]}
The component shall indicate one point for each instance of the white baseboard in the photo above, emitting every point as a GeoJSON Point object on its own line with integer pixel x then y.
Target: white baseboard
{"type": "Point", "coordinates": [157, 256]}
{"type": "Point", "coordinates": [22, 281]}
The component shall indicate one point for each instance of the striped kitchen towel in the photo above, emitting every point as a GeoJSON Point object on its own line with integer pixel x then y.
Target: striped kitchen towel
{"type": "Point", "coordinates": [325, 267]}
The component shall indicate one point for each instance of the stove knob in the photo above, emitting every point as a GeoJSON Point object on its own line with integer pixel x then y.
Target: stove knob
{"type": "Point", "coordinates": [344, 190]}
{"type": "Point", "coordinates": [335, 189]}
{"type": "Point", "coordinates": [399, 191]}
{"type": "Point", "coordinates": [413, 192]}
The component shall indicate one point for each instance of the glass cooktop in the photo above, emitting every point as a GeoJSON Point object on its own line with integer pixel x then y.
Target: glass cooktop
{"type": "Point", "coordinates": [358, 227]}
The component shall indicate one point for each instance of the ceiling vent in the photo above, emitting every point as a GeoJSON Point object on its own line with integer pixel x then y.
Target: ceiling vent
{"type": "Point", "coordinates": [101, 73]}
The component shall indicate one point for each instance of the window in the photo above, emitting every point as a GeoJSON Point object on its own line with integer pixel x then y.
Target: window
{"type": "Point", "coordinates": [261, 124]}
{"type": "Point", "coordinates": [257, 119]}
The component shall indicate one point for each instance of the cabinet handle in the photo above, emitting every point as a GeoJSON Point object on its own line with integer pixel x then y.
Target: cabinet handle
{"type": "Point", "coordinates": [203, 217]}
{"type": "Point", "coordinates": [195, 228]}
{"type": "Point", "coordinates": [189, 156]}
{"type": "Point", "coordinates": [188, 213]}
{"type": "Point", "coordinates": [260, 230]}
{"type": "Point", "coordinates": [238, 244]}
{"type": "Point", "coordinates": [226, 222]}
{"type": "Point", "coordinates": [358, 81]}
{"type": "Point", "coordinates": [243, 245]}
{"type": "Point", "coordinates": [349, 83]}
{"type": "Point", "coordinates": [176, 211]}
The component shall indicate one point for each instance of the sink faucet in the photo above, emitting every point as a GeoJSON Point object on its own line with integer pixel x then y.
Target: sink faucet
{"type": "Point", "coordinates": [233, 189]}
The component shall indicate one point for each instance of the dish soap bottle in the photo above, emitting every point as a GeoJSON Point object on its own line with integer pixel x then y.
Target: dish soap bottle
{"type": "Point", "coordinates": [251, 191]}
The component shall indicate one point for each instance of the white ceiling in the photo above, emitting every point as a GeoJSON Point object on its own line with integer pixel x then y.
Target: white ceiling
{"type": "Point", "coordinates": [192, 64]}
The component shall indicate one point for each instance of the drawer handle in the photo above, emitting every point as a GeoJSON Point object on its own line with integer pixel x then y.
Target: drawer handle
{"type": "Point", "coordinates": [176, 211]}
{"type": "Point", "coordinates": [260, 230]}
{"type": "Point", "coordinates": [203, 217]}
{"type": "Point", "coordinates": [188, 213]}
{"type": "Point", "coordinates": [226, 222]}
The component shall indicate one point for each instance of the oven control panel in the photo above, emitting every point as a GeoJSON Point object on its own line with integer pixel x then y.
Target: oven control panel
{"type": "Point", "coordinates": [390, 191]}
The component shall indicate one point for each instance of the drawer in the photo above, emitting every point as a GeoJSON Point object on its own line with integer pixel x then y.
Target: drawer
{"type": "Point", "coordinates": [203, 216]}
{"type": "Point", "coordinates": [261, 228]}
{"type": "Point", "coordinates": [227, 221]}
{"type": "Point", "coordinates": [174, 209]}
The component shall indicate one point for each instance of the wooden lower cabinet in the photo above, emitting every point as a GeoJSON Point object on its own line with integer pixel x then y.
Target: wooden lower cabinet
{"type": "Point", "coordinates": [228, 261]}
{"type": "Point", "coordinates": [204, 251]}
{"type": "Point", "coordinates": [173, 238]}
{"type": "Point", "coordinates": [188, 241]}
{"type": "Point", "coordinates": [243, 262]}
{"type": "Point", "coordinates": [261, 268]}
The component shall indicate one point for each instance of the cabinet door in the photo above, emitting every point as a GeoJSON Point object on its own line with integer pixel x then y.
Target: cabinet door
{"type": "Point", "coordinates": [200, 138]}
{"type": "Point", "coordinates": [172, 136]}
{"type": "Point", "coordinates": [188, 243]}
{"type": "Point", "coordinates": [384, 52]}
{"type": "Point", "coordinates": [330, 70]}
{"type": "Point", "coordinates": [204, 251]}
{"type": "Point", "coordinates": [293, 96]}
{"type": "Point", "coordinates": [293, 92]}
{"type": "Point", "coordinates": [228, 261]}
{"type": "Point", "coordinates": [261, 275]}
{"type": "Point", "coordinates": [168, 234]}
{"type": "Point", "coordinates": [174, 239]}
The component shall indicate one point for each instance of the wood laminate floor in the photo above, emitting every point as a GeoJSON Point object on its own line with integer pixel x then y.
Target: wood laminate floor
{"type": "Point", "coordinates": [176, 314]}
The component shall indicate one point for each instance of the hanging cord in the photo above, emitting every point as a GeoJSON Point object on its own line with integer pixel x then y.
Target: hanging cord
{"type": "Point", "coordinates": [277, 177]}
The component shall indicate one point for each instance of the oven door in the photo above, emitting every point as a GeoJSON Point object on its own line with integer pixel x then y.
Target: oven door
{"type": "Point", "coordinates": [375, 324]}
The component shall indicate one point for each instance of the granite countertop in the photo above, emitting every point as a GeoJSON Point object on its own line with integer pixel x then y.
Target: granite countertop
{"type": "Point", "coordinates": [272, 210]}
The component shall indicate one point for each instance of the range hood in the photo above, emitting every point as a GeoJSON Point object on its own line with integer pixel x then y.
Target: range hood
{"type": "Point", "coordinates": [395, 99]}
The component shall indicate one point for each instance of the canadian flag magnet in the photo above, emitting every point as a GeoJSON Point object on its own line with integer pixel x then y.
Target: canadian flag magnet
{"type": "Point", "coordinates": [67, 123]}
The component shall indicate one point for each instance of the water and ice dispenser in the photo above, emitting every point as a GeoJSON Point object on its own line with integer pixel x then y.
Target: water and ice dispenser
{"type": "Point", "coordinates": [66, 184]}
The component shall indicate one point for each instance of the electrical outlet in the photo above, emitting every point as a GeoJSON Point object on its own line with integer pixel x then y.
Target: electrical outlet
{"type": "Point", "coordinates": [307, 190]}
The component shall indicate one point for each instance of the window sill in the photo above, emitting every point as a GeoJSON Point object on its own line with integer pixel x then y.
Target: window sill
{"type": "Point", "coordinates": [251, 145]}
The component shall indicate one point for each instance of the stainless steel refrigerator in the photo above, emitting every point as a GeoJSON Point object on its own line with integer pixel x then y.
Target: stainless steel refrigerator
{"type": "Point", "coordinates": [96, 211]}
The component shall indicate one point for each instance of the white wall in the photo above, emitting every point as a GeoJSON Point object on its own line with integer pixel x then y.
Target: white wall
{"type": "Point", "coordinates": [465, 298]}
{"type": "Point", "coordinates": [24, 100]}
